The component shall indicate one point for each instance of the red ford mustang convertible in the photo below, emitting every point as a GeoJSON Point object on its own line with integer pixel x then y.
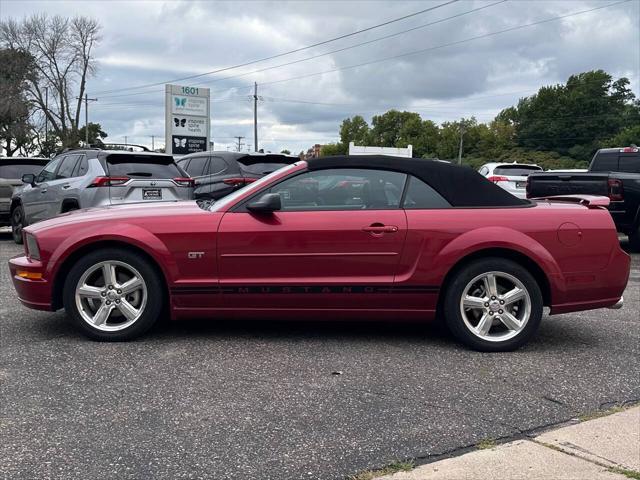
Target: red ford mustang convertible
{"type": "Point", "coordinates": [339, 237]}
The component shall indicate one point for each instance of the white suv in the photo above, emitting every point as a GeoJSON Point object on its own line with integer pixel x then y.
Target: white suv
{"type": "Point", "coordinates": [510, 176]}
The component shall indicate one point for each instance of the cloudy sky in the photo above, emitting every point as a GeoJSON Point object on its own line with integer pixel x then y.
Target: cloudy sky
{"type": "Point", "coordinates": [451, 74]}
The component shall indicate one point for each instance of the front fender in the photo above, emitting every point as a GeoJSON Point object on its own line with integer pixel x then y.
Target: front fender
{"type": "Point", "coordinates": [121, 232]}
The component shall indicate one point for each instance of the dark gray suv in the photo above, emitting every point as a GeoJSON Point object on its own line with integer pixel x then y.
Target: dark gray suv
{"type": "Point", "coordinates": [93, 178]}
{"type": "Point", "coordinates": [217, 174]}
{"type": "Point", "coordinates": [11, 171]}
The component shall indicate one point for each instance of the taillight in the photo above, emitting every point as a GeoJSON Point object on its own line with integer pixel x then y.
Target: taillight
{"type": "Point", "coordinates": [497, 178]}
{"type": "Point", "coordinates": [629, 150]}
{"type": "Point", "coordinates": [235, 181]}
{"type": "Point", "coordinates": [108, 181]}
{"type": "Point", "coordinates": [184, 181]}
{"type": "Point", "coordinates": [616, 192]}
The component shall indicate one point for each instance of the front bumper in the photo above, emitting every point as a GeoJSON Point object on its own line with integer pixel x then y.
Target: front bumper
{"type": "Point", "coordinates": [33, 293]}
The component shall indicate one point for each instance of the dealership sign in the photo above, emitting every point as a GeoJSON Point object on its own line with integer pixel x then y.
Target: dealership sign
{"type": "Point", "coordinates": [187, 119]}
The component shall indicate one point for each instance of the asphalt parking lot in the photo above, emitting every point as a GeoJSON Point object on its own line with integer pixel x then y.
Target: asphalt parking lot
{"type": "Point", "coordinates": [261, 400]}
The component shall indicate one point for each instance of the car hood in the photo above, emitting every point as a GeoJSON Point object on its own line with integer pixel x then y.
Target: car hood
{"type": "Point", "coordinates": [130, 212]}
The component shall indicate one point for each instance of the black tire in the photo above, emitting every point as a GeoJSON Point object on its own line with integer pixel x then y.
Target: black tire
{"type": "Point", "coordinates": [154, 288]}
{"type": "Point", "coordinates": [634, 240]}
{"type": "Point", "coordinates": [69, 207]}
{"type": "Point", "coordinates": [453, 297]}
{"type": "Point", "coordinates": [17, 223]}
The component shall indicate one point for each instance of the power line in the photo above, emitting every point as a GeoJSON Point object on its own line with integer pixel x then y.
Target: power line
{"type": "Point", "coordinates": [466, 40]}
{"type": "Point", "coordinates": [349, 47]}
{"type": "Point", "coordinates": [340, 37]}
{"type": "Point", "coordinates": [238, 87]}
{"type": "Point", "coordinates": [416, 52]}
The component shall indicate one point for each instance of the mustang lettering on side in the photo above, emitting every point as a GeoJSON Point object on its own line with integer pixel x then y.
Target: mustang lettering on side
{"type": "Point", "coordinates": [374, 238]}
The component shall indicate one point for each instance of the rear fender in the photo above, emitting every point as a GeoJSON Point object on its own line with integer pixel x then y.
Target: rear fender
{"type": "Point", "coordinates": [486, 238]}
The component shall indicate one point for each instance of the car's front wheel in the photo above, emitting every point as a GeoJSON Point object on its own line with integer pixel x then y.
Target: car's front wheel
{"type": "Point", "coordinates": [113, 295]}
{"type": "Point", "coordinates": [493, 305]}
{"type": "Point", "coordinates": [17, 223]}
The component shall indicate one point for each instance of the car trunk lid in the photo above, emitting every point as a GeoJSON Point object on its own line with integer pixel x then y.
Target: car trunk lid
{"type": "Point", "coordinates": [145, 178]}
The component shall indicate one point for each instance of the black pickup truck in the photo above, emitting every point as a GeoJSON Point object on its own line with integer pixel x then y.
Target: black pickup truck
{"type": "Point", "coordinates": [613, 173]}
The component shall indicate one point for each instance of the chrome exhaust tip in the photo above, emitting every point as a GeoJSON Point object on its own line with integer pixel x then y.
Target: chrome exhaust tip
{"type": "Point", "coordinates": [618, 305]}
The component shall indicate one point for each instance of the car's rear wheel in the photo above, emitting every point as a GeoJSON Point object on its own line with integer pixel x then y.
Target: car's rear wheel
{"type": "Point", "coordinates": [17, 223]}
{"type": "Point", "coordinates": [113, 295]}
{"type": "Point", "coordinates": [493, 305]}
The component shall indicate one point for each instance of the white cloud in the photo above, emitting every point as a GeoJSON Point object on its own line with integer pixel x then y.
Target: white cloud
{"type": "Point", "coordinates": [153, 41]}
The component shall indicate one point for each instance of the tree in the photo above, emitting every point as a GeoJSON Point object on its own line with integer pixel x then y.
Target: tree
{"type": "Point", "coordinates": [16, 131]}
{"type": "Point", "coordinates": [62, 51]}
{"type": "Point", "coordinates": [333, 149]}
{"type": "Point", "coordinates": [624, 138]}
{"type": "Point", "coordinates": [354, 130]}
{"type": "Point", "coordinates": [96, 134]}
{"type": "Point", "coordinates": [576, 117]}
{"type": "Point", "coordinates": [286, 152]}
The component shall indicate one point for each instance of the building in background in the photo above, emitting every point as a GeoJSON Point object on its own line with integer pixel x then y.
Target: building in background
{"type": "Point", "coordinates": [391, 151]}
{"type": "Point", "coordinates": [313, 152]}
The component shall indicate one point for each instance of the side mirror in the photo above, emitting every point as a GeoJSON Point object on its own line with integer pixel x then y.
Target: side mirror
{"type": "Point", "coordinates": [29, 178]}
{"type": "Point", "coordinates": [269, 202]}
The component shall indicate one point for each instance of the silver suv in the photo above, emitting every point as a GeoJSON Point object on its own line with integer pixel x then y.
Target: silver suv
{"type": "Point", "coordinates": [510, 176]}
{"type": "Point", "coordinates": [93, 178]}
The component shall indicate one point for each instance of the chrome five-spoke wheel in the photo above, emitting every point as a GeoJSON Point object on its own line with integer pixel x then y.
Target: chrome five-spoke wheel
{"type": "Point", "coordinates": [495, 306]}
{"type": "Point", "coordinates": [111, 296]}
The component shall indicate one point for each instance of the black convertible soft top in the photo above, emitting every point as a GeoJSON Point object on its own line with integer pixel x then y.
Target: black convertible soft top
{"type": "Point", "coordinates": [461, 186]}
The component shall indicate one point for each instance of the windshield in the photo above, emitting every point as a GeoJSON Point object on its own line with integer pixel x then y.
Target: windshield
{"type": "Point", "coordinates": [262, 168]}
{"type": "Point", "coordinates": [142, 166]}
{"type": "Point", "coordinates": [257, 185]}
{"type": "Point", "coordinates": [516, 170]}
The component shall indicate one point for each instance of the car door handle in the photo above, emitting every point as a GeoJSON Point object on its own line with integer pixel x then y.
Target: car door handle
{"type": "Point", "coordinates": [43, 191]}
{"type": "Point", "coordinates": [66, 186]}
{"type": "Point", "coordinates": [378, 228]}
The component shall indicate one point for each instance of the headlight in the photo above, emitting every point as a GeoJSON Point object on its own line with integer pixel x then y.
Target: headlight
{"type": "Point", "coordinates": [32, 247]}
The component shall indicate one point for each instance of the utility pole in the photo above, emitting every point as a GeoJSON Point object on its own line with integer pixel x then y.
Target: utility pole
{"type": "Point", "coordinates": [461, 142]}
{"type": "Point", "coordinates": [46, 118]}
{"type": "Point", "coordinates": [125, 141]}
{"type": "Point", "coordinates": [86, 117]}
{"type": "Point", "coordinates": [255, 116]}
{"type": "Point", "coordinates": [153, 145]}
{"type": "Point", "coordinates": [239, 143]}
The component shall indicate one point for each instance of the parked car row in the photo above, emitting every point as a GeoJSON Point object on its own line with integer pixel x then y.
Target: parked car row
{"type": "Point", "coordinates": [346, 237]}
{"type": "Point", "coordinates": [86, 178]}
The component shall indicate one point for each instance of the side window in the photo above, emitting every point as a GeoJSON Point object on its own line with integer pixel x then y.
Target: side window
{"type": "Point", "coordinates": [342, 189]}
{"type": "Point", "coordinates": [49, 171]}
{"type": "Point", "coordinates": [421, 195]}
{"type": "Point", "coordinates": [67, 166]}
{"type": "Point", "coordinates": [184, 164]}
{"type": "Point", "coordinates": [197, 166]}
{"type": "Point", "coordinates": [629, 163]}
{"type": "Point", "coordinates": [218, 166]}
{"type": "Point", "coordinates": [82, 167]}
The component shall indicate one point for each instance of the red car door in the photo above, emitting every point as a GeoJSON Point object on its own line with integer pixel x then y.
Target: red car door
{"type": "Point", "coordinates": [335, 244]}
